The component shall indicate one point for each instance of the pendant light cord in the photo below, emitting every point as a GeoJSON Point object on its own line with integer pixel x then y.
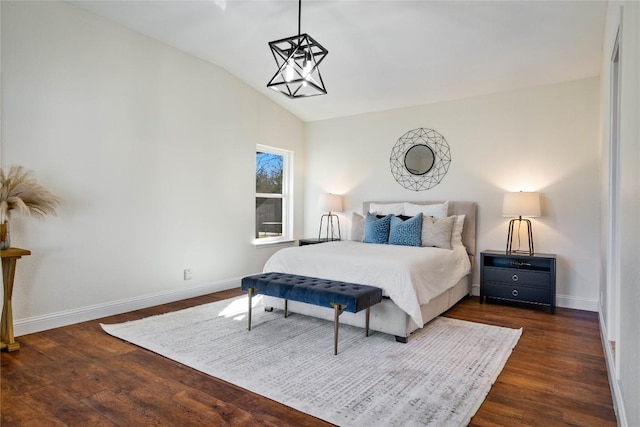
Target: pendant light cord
{"type": "Point", "coordinates": [299, 14]}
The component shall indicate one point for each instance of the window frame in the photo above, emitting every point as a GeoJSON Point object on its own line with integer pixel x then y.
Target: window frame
{"type": "Point", "coordinates": [286, 196]}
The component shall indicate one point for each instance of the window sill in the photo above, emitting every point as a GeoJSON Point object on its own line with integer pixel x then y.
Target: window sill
{"type": "Point", "coordinates": [267, 244]}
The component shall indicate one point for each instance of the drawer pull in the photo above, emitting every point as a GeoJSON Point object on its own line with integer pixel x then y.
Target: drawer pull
{"type": "Point", "coordinates": [514, 277]}
{"type": "Point", "coordinates": [514, 292]}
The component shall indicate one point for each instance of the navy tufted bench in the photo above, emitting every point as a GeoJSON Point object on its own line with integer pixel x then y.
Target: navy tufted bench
{"type": "Point", "coordinates": [341, 296]}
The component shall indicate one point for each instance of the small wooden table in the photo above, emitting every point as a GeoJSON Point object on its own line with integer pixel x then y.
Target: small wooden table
{"type": "Point", "coordinates": [9, 258]}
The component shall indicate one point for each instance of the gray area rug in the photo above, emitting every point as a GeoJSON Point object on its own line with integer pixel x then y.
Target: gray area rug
{"type": "Point", "coordinates": [439, 378]}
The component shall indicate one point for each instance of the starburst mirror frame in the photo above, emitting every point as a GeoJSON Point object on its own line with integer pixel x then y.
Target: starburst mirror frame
{"type": "Point", "coordinates": [420, 159]}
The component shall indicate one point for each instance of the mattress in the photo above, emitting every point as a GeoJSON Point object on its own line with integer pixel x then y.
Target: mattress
{"type": "Point", "coordinates": [409, 276]}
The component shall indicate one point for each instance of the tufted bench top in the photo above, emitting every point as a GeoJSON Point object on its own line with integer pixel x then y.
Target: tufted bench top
{"type": "Point", "coordinates": [311, 290]}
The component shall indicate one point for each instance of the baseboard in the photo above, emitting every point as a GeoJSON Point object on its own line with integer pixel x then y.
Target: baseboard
{"type": "Point", "coordinates": [566, 301]}
{"type": "Point", "coordinates": [63, 318]}
{"type": "Point", "coordinates": [616, 393]}
{"type": "Point", "coordinates": [578, 303]}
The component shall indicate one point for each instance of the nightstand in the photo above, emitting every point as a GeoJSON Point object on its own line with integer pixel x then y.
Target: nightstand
{"type": "Point", "coordinates": [313, 241]}
{"type": "Point", "coordinates": [515, 277]}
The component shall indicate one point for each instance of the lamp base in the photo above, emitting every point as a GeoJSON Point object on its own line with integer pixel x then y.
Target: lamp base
{"type": "Point", "coordinates": [330, 227]}
{"type": "Point", "coordinates": [510, 249]}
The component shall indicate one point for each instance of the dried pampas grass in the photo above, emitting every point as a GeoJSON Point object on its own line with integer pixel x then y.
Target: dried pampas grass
{"type": "Point", "coordinates": [20, 191]}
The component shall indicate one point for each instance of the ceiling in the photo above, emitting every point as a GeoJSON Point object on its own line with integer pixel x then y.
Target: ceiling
{"type": "Point", "coordinates": [382, 54]}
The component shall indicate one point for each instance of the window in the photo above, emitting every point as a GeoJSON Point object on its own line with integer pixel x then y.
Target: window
{"type": "Point", "coordinates": [274, 199]}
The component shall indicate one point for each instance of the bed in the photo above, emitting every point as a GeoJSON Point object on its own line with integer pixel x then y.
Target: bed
{"type": "Point", "coordinates": [419, 283]}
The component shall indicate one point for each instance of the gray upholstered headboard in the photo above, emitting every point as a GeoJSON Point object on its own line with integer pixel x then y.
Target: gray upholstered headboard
{"type": "Point", "coordinates": [469, 209]}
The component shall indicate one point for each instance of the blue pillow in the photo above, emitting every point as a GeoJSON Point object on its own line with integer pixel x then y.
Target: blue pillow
{"type": "Point", "coordinates": [406, 233]}
{"type": "Point", "coordinates": [376, 230]}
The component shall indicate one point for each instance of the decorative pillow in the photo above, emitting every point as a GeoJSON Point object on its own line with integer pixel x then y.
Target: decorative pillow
{"type": "Point", "coordinates": [357, 227]}
{"type": "Point", "coordinates": [402, 217]}
{"type": "Point", "coordinates": [436, 211]}
{"type": "Point", "coordinates": [387, 208]}
{"type": "Point", "coordinates": [406, 233]}
{"type": "Point", "coordinates": [437, 232]}
{"type": "Point", "coordinates": [456, 234]}
{"type": "Point", "coordinates": [376, 230]}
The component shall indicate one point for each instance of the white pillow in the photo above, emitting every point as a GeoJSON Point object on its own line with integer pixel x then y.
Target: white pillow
{"type": "Point", "coordinates": [387, 208]}
{"type": "Point", "coordinates": [437, 232]}
{"type": "Point", "coordinates": [357, 227]}
{"type": "Point", "coordinates": [456, 234]}
{"type": "Point", "coordinates": [437, 211]}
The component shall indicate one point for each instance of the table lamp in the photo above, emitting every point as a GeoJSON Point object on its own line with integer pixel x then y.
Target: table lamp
{"type": "Point", "coordinates": [330, 203]}
{"type": "Point", "coordinates": [520, 204]}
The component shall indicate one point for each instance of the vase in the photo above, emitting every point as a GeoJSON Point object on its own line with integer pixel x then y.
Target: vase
{"type": "Point", "coordinates": [5, 238]}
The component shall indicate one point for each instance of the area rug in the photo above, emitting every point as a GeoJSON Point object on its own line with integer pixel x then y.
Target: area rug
{"type": "Point", "coordinates": [439, 378]}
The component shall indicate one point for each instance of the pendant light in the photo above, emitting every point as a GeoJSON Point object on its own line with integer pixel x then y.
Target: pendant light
{"type": "Point", "coordinates": [298, 58]}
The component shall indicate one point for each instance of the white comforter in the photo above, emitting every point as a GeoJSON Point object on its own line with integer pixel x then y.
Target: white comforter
{"type": "Point", "coordinates": [410, 276]}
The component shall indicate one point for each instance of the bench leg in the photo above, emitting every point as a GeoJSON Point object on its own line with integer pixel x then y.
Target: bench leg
{"type": "Point", "coordinates": [286, 305]}
{"type": "Point", "coordinates": [367, 322]}
{"type": "Point", "coordinates": [250, 291]}
{"type": "Point", "coordinates": [338, 311]}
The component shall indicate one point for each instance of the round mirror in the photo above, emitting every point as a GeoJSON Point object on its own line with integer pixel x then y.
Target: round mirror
{"type": "Point", "coordinates": [419, 159]}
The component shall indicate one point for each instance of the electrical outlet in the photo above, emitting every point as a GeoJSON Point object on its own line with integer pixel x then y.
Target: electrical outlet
{"type": "Point", "coordinates": [187, 274]}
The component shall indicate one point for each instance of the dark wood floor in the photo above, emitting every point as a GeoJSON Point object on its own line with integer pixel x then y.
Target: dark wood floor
{"type": "Point", "coordinates": [79, 375]}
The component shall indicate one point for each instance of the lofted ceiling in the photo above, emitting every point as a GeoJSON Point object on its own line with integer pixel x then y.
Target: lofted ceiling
{"type": "Point", "coordinates": [383, 54]}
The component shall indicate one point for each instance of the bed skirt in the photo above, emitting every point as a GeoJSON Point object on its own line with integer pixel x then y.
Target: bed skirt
{"type": "Point", "coordinates": [385, 317]}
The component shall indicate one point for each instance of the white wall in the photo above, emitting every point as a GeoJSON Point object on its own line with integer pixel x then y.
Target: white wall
{"type": "Point", "coordinates": [541, 139]}
{"type": "Point", "coordinates": [152, 153]}
{"type": "Point", "coordinates": [621, 320]}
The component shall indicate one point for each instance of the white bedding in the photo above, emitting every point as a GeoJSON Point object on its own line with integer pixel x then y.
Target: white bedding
{"type": "Point", "coordinates": [410, 276]}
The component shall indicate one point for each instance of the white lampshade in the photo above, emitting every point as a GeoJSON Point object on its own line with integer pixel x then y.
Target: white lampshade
{"type": "Point", "coordinates": [331, 203]}
{"type": "Point", "coordinates": [521, 204]}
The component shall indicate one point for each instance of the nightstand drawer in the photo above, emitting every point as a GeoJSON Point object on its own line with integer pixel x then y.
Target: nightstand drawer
{"type": "Point", "coordinates": [517, 277]}
{"type": "Point", "coordinates": [518, 293]}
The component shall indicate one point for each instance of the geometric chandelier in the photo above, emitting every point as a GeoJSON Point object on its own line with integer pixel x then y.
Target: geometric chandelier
{"type": "Point", "coordinates": [298, 58]}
